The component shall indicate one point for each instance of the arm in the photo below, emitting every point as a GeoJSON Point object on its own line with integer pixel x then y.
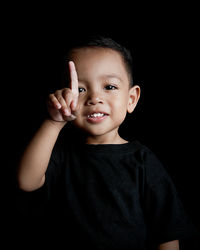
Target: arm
{"type": "Point", "coordinates": [35, 159]}
{"type": "Point", "coordinates": [172, 245]}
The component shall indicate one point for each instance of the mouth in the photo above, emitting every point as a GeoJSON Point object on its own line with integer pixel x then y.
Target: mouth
{"type": "Point", "coordinates": [96, 117]}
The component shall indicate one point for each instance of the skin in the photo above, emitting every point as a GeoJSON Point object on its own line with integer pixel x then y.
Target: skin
{"type": "Point", "coordinates": [98, 83]}
{"type": "Point", "coordinates": [172, 245]}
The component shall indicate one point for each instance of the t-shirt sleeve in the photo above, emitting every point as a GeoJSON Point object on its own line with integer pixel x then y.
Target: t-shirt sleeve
{"type": "Point", "coordinates": [55, 166]}
{"type": "Point", "coordinates": [166, 217]}
{"type": "Point", "coordinates": [34, 202]}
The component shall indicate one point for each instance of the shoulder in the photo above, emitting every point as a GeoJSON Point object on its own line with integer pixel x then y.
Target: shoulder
{"type": "Point", "coordinates": [143, 153]}
{"type": "Point", "coordinates": [149, 161]}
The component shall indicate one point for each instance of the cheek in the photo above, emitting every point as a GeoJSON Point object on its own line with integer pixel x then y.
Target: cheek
{"type": "Point", "coordinates": [119, 103]}
{"type": "Point", "coordinates": [119, 112]}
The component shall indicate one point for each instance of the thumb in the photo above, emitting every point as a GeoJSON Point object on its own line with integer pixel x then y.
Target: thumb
{"type": "Point", "coordinates": [74, 104]}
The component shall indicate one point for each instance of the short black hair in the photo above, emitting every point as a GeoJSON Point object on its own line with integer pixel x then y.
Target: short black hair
{"type": "Point", "coordinates": [104, 42]}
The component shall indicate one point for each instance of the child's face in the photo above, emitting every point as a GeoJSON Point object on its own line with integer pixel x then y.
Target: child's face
{"type": "Point", "coordinates": [104, 93]}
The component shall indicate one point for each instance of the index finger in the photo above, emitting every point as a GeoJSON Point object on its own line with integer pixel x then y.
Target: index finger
{"type": "Point", "coordinates": [73, 78]}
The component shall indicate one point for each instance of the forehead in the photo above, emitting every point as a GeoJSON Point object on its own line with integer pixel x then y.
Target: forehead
{"type": "Point", "coordinates": [99, 61]}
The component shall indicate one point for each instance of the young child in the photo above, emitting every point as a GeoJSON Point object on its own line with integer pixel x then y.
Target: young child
{"type": "Point", "coordinates": [108, 193]}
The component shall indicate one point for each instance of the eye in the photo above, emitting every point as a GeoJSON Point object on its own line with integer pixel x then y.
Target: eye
{"type": "Point", "coordinates": [110, 87]}
{"type": "Point", "coordinates": [81, 89]}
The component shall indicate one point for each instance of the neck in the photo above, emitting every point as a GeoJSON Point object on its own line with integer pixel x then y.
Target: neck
{"type": "Point", "coordinates": [105, 139]}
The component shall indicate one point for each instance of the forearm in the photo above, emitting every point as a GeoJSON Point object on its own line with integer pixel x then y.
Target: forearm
{"type": "Point", "coordinates": [172, 245]}
{"type": "Point", "coordinates": [35, 159]}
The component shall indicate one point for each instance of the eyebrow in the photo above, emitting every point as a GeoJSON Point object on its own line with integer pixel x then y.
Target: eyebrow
{"type": "Point", "coordinates": [105, 76]}
{"type": "Point", "coordinates": [112, 76]}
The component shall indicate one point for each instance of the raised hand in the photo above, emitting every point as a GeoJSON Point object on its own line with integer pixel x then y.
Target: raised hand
{"type": "Point", "coordinates": [64, 102]}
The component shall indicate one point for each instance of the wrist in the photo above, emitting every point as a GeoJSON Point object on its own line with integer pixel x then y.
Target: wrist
{"type": "Point", "coordinates": [55, 124]}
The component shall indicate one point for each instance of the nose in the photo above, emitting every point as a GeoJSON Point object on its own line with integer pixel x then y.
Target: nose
{"type": "Point", "coordinates": [94, 98]}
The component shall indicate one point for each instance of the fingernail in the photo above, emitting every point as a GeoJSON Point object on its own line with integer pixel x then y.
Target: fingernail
{"type": "Point", "coordinates": [72, 117]}
{"type": "Point", "coordinates": [66, 112]}
{"type": "Point", "coordinates": [75, 103]}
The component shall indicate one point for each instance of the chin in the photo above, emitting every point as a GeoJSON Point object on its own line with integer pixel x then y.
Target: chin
{"type": "Point", "coordinates": [95, 133]}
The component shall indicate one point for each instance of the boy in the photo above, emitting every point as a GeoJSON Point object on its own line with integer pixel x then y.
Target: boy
{"type": "Point", "coordinates": [113, 194]}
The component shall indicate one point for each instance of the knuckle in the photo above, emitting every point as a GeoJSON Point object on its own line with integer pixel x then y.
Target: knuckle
{"type": "Point", "coordinates": [51, 97]}
{"type": "Point", "coordinates": [60, 98]}
{"type": "Point", "coordinates": [67, 97]}
{"type": "Point", "coordinates": [66, 91]}
{"type": "Point", "coordinates": [57, 92]}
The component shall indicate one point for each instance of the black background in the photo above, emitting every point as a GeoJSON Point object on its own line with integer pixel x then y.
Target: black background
{"type": "Point", "coordinates": [165, 52]}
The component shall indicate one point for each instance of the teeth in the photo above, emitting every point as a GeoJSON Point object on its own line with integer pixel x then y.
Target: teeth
{"type": "Point", "coordinates": [96, 115]}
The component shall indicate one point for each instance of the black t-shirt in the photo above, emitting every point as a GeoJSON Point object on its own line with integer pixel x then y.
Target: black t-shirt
{"type": "Point", "coordinates": [112, 197]}
{"type": "Point", "coordinates": [115, 196]}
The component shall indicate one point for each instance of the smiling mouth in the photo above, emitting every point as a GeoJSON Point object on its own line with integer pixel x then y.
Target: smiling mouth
{"type": "Point", "coordinates": [96, 117]}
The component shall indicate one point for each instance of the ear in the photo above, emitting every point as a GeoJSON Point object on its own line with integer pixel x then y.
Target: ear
{"type": "Point", "coordinates": [134, 95]}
